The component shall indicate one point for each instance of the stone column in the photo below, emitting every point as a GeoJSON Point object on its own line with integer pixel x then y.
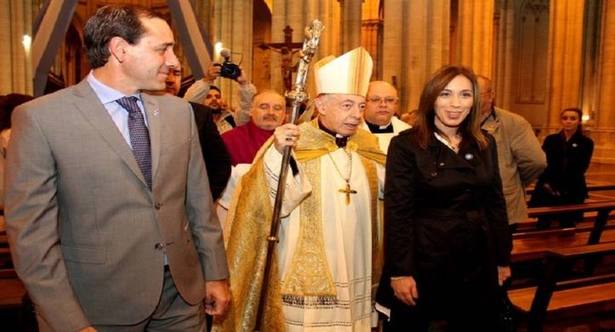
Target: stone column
{"type": "Point", "coordinates": [233, 27]}
{"type": "Point", "coordinates": [351, 24]}
{"type": "Point", "coordinates": [15, 22]}
{"type": "Point", "coordinates": [298, 14]}
{"type": "Point", "coordinates": [416, 43]}
{"type": "Point", "coordinates": [604, 135]}
{"type": "Point", "coordinates": [565, 54]}
{"type": "Point", "coordinates": [606, 115]}
{"type": "Point", "coordinates": [475, 35]}
{"type": "Point", "coordinates": [505, 53]}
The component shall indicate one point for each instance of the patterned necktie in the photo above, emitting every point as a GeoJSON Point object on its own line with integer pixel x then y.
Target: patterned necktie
{"type": "Point", "coordinates": [139, 137]}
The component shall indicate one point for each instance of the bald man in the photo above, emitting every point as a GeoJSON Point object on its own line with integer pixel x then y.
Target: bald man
{"type": "Point", "coordinates": [380, 110]}
{"type": "Point", "coordinates": [268, 111]}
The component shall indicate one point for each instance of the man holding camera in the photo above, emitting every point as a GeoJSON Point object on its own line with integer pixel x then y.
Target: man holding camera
{"type": "Point", "coordinates": [204, 92]}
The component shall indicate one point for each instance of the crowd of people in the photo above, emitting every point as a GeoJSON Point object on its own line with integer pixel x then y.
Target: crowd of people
{"type": "Point", "coordinates": [130, 209]}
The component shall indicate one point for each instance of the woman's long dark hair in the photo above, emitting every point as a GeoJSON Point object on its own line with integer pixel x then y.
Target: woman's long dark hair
{"type": "Point", "coordinates": [425, 125]}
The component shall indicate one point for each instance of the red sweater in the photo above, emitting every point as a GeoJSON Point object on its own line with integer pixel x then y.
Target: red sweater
{"type": "Point", "coordinates": [244, 141]}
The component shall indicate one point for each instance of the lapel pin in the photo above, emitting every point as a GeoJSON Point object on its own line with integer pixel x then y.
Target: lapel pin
{"type": "Point", "coordinates": [574, 145]}
{"type": "Point", "coordinates": [469, 156]}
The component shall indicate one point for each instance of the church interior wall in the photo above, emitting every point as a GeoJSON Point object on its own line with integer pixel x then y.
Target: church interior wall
{"type": "Point", "coordinates": [543, 55]}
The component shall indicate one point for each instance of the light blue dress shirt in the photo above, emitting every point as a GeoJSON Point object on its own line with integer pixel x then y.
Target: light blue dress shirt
{"type": "Point", "coordinates": [108, 97]}
{"type": "Point", "coordinates": [119, 115]}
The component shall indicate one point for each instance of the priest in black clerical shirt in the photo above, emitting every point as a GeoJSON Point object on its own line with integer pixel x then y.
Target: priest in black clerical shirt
{"type": "Point", "coordinates": [380, 110]}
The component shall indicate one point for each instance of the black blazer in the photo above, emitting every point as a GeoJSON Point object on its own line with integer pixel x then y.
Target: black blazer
{"type": "Point", "coordinates": [567, 162]}
{"type": "Point", "coordinates": [431, 196]}
{"type": "Point", "coordinates": [217, 158]}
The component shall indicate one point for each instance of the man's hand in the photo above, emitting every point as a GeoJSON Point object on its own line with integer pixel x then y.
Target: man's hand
{"type": "Point", "coordinates": [285, 135]}
{"type": "Point", "coordinates": [217, 297]}
{"type": "Point", "coordinates": [213, 72]}
{"type": "Point", "coordinates": [405, 289]}
{"type": "Point", "coordinates": [242, 79]}
{"type": "Point", "coordinates": [503, 274]}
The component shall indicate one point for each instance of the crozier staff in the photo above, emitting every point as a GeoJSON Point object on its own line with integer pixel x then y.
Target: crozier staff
{"type": "Point", "coordinates": [327, 260]}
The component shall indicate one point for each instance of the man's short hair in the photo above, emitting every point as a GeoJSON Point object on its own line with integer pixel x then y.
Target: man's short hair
{"type": "Point", "coordinates": [213, 87]}
{"type": "Point", "coordinates": [113, 21]}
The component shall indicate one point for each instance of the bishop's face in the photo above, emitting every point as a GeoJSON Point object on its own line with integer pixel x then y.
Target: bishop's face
{"type": "Point", "coordinates": [341, 113]}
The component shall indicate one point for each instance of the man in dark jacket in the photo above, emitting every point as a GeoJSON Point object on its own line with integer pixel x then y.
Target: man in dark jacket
{"type": "Point", "coordinates": [217, 158]}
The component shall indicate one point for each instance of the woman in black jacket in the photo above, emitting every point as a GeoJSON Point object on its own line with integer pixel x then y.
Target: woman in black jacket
{"type": "Point", "coordinates": [569, 153]}
{"type": "Point", "coordinates": [447, 238]}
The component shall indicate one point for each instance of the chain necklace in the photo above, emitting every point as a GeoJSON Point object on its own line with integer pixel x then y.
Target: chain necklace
{"type": "Point", "coordinates": [346, 190]}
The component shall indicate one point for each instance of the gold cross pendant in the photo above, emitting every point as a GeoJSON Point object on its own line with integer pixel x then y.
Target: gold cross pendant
{"type": "Point", "coordinates": [347, 191]}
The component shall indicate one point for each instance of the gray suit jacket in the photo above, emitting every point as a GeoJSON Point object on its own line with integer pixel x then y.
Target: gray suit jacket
{"type": "Point", "coordinates": [84, 229]}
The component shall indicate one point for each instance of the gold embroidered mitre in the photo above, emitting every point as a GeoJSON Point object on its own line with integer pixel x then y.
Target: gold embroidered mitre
{"type": "Point", "coordinates": [346, 74]}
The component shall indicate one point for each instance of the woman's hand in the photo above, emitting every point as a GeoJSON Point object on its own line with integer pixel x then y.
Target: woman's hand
{"type": "Point", "coordinates": [503, 274]}
{"type": "Point", "coordinates": [405, 289]}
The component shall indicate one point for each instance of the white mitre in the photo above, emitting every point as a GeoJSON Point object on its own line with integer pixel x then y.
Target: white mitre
{"type": "Point", "coordinates": [347, 74]}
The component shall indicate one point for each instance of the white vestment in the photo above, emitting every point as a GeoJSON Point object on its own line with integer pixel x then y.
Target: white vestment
{"type": "Point", "coordinates": [385, 138]}
{"type": "Point", "coordinates": [346, 229]}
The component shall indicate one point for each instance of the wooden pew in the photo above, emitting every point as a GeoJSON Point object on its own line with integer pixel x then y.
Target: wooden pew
{"type": "Point", "coordinates": [535, 248]}
{"type": "Point", "coordinates": [554, 296]}
{"type": "Point", "coordinates": [533, 244]}
{"type": "Point", "coordinates": [12, 292]}
{"type": "Point", "coordinates": [590, 187]}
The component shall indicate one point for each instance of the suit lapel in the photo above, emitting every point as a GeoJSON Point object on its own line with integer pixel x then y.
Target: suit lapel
{"type": "Point", "coordinates": [95, 113]}
{"type": "Point", "coordinates": [152, 109]}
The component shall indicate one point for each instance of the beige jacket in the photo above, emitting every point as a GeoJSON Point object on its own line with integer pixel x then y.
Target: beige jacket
{"type": "Point", "coordinates": [520, 158]}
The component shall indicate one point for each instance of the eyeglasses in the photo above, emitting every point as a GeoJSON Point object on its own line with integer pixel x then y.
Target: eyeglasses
{"type": "Point", "coordinates": [378, 99]}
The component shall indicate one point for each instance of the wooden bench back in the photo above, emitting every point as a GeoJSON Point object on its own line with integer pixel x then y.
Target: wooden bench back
{"type": "Point", "coordinates": [581, 291]}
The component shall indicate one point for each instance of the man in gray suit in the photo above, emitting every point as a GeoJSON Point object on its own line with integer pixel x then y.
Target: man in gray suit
{"type": "Point", "coordinates": [108, 208]}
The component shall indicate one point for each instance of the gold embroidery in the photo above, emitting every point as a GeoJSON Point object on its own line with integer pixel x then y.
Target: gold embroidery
{"type": "Point", "coordinates": [377, 226]}
{"type": "Point", "coordinates": [247, 244]}
{"type": "Point", "coordinates": [309, 273]}
{"type": "Point", "coordinates": [250, 214]}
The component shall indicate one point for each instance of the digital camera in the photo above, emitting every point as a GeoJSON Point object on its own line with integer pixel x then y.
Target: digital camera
{"type": "Point", "coordinates": [228, 69]}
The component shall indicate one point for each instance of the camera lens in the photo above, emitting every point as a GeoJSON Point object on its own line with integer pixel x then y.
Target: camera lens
{"type": "Point", "coordinates": [230, 70]}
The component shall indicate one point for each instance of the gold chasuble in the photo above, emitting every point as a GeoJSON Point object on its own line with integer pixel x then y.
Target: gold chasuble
{"type": "Point", "coordinates": [328, 261]}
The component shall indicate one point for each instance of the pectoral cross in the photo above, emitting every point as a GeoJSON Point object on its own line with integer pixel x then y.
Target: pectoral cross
{"type": "Point", "coordinates": [347, 191]}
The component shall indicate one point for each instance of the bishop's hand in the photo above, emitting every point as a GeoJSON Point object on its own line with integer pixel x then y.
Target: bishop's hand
{"type": "Point", "coordinates": [285, 135]}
